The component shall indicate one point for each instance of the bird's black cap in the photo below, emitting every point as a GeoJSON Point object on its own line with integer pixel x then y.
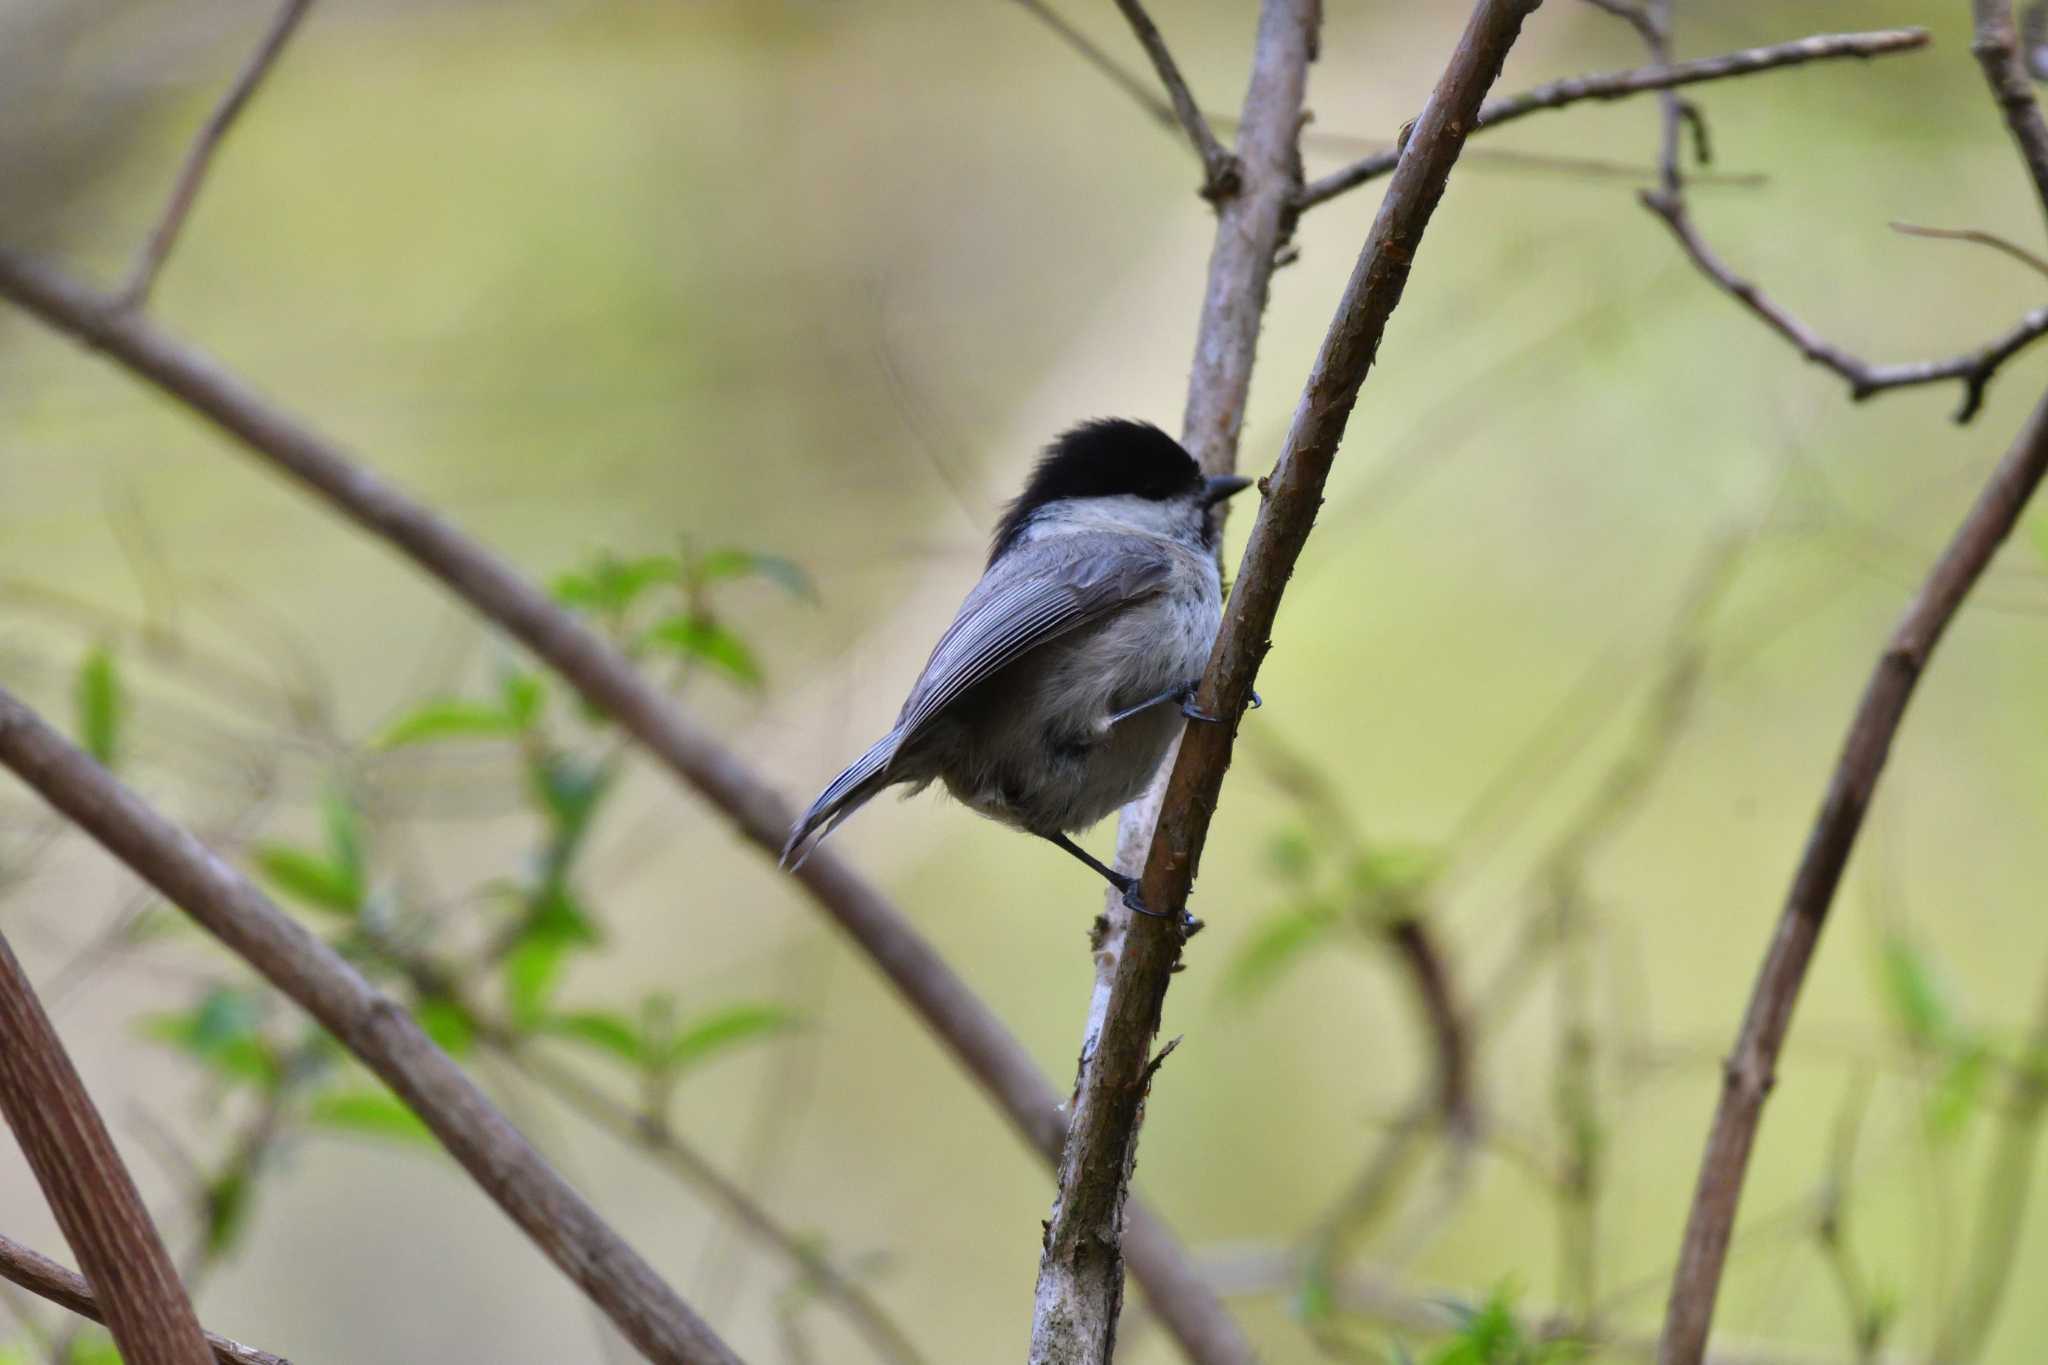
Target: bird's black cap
{"type": "Point", "coordinates": [1105, 458]}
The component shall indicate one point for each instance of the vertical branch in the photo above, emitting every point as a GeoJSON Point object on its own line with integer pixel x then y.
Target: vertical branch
{"type": "Point", "coordinates": [1079, 1296]}
{"type": "Point", "coordinates": [1081, 1273]}
{"type": "Point", "coordinates": [1995, 44]}
{"type": "Point", "coordinates": [1751, 1067]}
{"type": "Point", "coordinates": [90, 1192]}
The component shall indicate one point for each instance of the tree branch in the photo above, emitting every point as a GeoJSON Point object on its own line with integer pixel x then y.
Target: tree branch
{"type": "Point", "coordinates": [1750, 1068]}
{"type": "Point", "coordinates": [40, 1275]}
{"type": "Point", "coordinates": [949, 1008]}
{"type": "Point", "coordinates": [149, 262]}
{"type": "Point", "coordinates": [1996, 47]}
{"type": "Point", "coordinates": [373, 1027]}
{"type": "Point", "coordinates": [1081, 1261]}
{"type": "Point", "coordinates": [1219, 168]}
{"type": "Point", "coordinates": [1616, 85]}
{"type": "Point", "coordinates": [1981, 238]}
{"type": "Point", "coordinates": [95, 1201]}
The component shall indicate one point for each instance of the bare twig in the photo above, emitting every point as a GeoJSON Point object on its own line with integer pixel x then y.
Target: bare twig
{"type": "Point", "coordinates": [1751, 1066]}
{"type": "Point", "coordinates": [1219, 168]}
{"type": "Point", "coordinates": [955, 1015]}
{"type": "Point", "coordinates": [1076, 1321]}
{"type": "Point", "coordinates": [1973, 368]}
{"type": "Point", "coordinates": [373, 1027]}
{"type": "Point", "coordinates": [1616, 85]}
{"type": "Point", "coordinates": [42, 1276]}
{"type": "Point", "coordinates": [89, 1189]}
{"type": "Point", "coordinates": [1996, 46]}
{"type": "Point", "coordinates": [1981, 238]}
{"type": "Point", "coordinates": [149, 262]}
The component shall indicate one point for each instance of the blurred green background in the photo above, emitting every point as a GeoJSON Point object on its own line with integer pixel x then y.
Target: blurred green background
{"type": "Point", "coordinates": [817, 279]}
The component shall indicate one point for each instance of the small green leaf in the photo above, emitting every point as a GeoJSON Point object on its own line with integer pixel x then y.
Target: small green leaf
{"type": "Point", "coordinates": [1275, 947]}
{"type": "Point", "coordinates": [1913, 991]}
{"type": "Point", "coordinates": [449, 718]}
{"type": "Point", "coordinates": [224, 1031]}
{"type": "Point", "coordinates": [1958, 1091]}
{"type": "Point", "coordinates": [532, 971]}
{"type": "Point", "coordinates": [444, 1021]}
{"type": "Point", "coordinates": [1397, 870]}
{"type": "Point", "coordinates": [227, 1211]}
{"type": "Point", "coordinates": [309, 878]}
{"type": "Point", "coordinates": [94, 1347]}
{"type": "Point", "coordinates": [344, 837]}
{"type": "Point", "coordinates": [525, 696]}
{"type": "Point", "coordinates": [711, 1034]}
{"type": "Point", "coordinates": [1293, 855]}
{"type": "Point", "coordinates": [100, 706]}
{"type": "Point", "coordinates": [785, 573]}
{"type": "Point", "coordinates": [705, 640]}
{"type": "Point", "coordinates": [373, 1113]}
{"type": "Point", "coordinates": [569, 790]}
{"type": "Point", "coordinates": [604, 1031]}
{"type": "Point", "coordinates": [611, 585]}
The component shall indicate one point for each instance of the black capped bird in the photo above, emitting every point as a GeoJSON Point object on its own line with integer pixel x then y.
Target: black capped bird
{"type": "Point", "coordinates": [1055, 694]}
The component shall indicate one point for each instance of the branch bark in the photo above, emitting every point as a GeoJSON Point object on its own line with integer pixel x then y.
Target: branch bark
{"type": "Point", "coordinates": [89, 1189]}
{"type": "Point", "coordinates": [373, 1027]}
{"type": "Point", "coordinates": [1995, 44]}
{"type": "Point", "coordinates": [1614, 85]}
{"type": "Point", "coordinates": [1750, 1068]}
{"type": "Point", "coordinates": [40, 1275]}
{"type": "Point", "coordinates": [1080, 1274]}
{"type": "Point", "coordinates": [949, 1008]}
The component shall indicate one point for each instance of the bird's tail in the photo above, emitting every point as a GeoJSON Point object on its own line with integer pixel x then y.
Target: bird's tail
{"type": "Point", "coordinates": [848, 792]}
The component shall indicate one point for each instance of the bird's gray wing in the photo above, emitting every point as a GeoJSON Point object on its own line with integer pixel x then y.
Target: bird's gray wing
{"type": "Point", "coordinates": [1037, 592]}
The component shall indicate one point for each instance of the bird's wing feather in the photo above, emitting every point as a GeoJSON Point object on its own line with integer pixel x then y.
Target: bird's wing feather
{"type": "Point", "coordinates": [1036, 593]}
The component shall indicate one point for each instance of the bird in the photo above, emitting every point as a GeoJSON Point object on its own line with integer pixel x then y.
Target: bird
{"type": "Point", "coordinates": [1055, 694]}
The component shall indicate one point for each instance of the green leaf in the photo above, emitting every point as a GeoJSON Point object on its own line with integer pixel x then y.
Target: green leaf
{"type": "Point", "coordinates": [532, 971]}
{"type": "Point", "coordinates": [1958, 1091]}
{"type": "Point", "coordinates": [1397, 871]}
{"type": "Point", "coordinates": [344, 837]}
{"type": "Point", "coordinates": [525, 696]}
{"type": "Point", "coordinates": [94, 1347]}
{"type": "Point", "coordinates": [611, 585]}
{"type": "Point", "coordinates": [569, 789]}
{"type": "Point", "coordinates": [97, 692]}
{"type": "Point", "coordinates": [447, 1023]}
{"type": "Point", "coordinates": [309, 878]}
{"type": "Point", "coordinates": [1275, 947]}
{"type": "Point", "coordinates": [1914, 992]}
{"type": "Point", "coordinates": [705, 640]}
{"type": "Point", "coordinates": [373, 1113]}
{"type": "Point", "coordinates": [224, 1031]}
{"type": "Point", "coordinates": [227, 1211]}
{"type": "Point", "coordinates": [711, 1034]}
{"type": "Point", "coordinates": [602, 1030]}
{"type": "Point", "coordinates": [449, 718]}
{"type": "Point", "coordinates": [784, 573]}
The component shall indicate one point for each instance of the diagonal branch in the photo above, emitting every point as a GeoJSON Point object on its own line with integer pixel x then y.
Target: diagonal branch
{"type": "Point", "coordinates": [90, 1191]}
{"type": "Point", "coordinates": [373, 1027]}
{"type": "Point", "coordinates": [40, 1275]}
{"type": "Point", "coordinates": [1219, 167]}
{"type": "Point", "coordinates": [955, 1015]}
{"type": "Point", "coordinates": [1979, 236]}
{"type": "Point", "coordinates": [1081, 1239]}
{"type": "Point", "coordinates": [149, 262]}
{"type": "Point", "coordinates": [1616, 85]}
{"type": "Point", "coordinates": [1996, 46]}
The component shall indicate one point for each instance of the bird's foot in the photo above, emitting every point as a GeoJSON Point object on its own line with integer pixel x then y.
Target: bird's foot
{"type": "Point", "coordinates": [1189, 925]}
{"type": "Point", "coordinates": [1193, 712]}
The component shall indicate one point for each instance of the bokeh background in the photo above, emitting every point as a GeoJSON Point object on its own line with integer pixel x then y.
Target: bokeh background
{"type": "Point", "coordinates": [816, 279]}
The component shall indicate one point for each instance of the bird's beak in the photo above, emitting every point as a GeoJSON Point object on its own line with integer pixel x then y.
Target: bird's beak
{"type": "Point", "coordinates": [1223, 486]}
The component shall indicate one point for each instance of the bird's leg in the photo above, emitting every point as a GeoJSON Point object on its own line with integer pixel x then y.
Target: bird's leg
{"type": "Point", "coordinates": [1124, 883]}
{"type": "Point", "coordinates": [1193, 712]}
{"type": "Point", "coordinates": [1180, 694]}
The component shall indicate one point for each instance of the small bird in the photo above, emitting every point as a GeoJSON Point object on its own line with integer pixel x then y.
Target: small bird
{"type": "Point", "coordinates": [1053, 697]}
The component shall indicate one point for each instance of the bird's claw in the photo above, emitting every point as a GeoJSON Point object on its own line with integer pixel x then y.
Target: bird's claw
{"type": "Point", "coordinates": [1194, 712]}
{"type": "Point", "coordinates": [1189, 925]}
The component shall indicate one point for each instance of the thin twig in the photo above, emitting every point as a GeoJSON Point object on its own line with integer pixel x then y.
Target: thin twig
{"type": "Point", "coordinates": [1082, 1236]}
{"type": "Point", "coordinates": [1995, 45]}
{"type": "Point", "coordinates": [1981, 238]}
{"type": "Point", "coordinates": [1220, 177]}
{"type": "Point", "coordinates": [149, 262]}
{"type": "Point", "coordinates": [88, 1187]}
{"type": "Point", "coordinates": [373, 1027]}
{"type": "Point", "coordinates": [1974, 369]}
{"type": "Point", "coordinates": [42, 1276]}
{"type": "Point", "coordinates": [955, 1015]}
{"type": "Point", "coordinates": [1616, 85]}
{"type": "Point", "coordinates": [1751, 1067]}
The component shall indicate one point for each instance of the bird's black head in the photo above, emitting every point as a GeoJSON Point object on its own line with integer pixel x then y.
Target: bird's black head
{"type": "Point", "coordinates": [1106, 458]}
